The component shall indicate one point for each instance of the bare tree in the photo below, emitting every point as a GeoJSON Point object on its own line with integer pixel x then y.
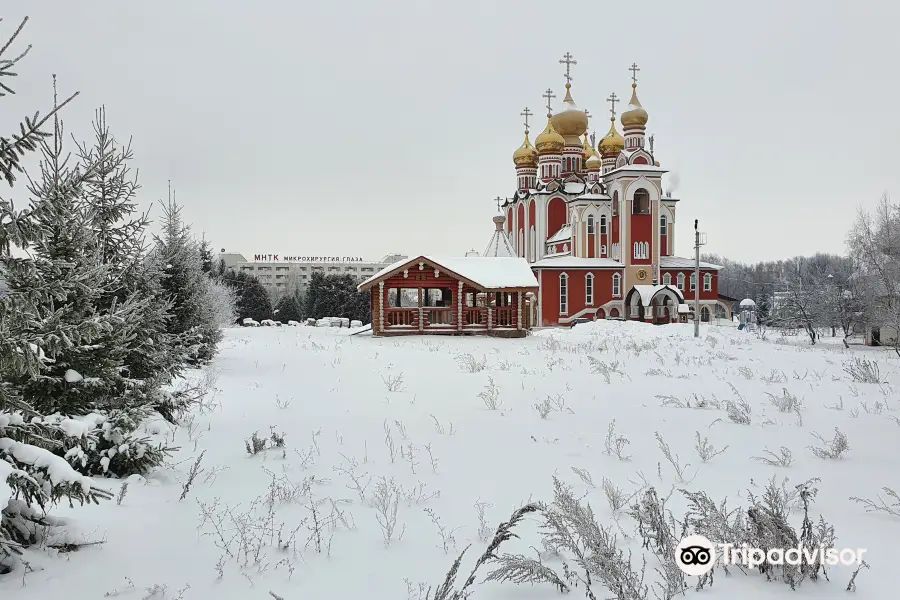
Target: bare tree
{"type": "Point", "coordinates": [874, 242]}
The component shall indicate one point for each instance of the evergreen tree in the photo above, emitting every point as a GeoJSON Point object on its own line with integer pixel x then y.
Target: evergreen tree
{"type": "Point", "coordinates": [84, 377]}
{"type": "Point", "coordinates": [288, 308]}
{"type": "Point", "coordinates": [253, 299]}
{"type": "Point", "coordinates": [318, 302]}
{"type": "Point", "coordinates": [27, 346]}
{"type": "Point", "coordinates": [178, 255]}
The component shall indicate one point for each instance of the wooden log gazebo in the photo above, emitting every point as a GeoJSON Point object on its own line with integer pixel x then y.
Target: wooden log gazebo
{"type": "Point", "coordinates": [452, 296]}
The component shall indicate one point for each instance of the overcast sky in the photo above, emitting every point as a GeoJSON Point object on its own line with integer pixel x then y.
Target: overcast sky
{"type": "Point", "coordinates": [364, 127]}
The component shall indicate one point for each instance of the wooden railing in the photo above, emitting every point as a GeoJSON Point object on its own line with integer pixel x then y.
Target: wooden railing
{"type": "Point", "coordinates": [401, 317]}
{"type": "Point", "coordinates": [505, 316]}
{"type": "Point", "coordinates": [439, 317]}
{"type": "Point", "coordinates": [474, 317]}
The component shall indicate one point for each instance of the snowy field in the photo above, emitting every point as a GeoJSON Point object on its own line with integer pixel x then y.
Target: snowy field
{"type": "Point", "coordinates": [441, 430]}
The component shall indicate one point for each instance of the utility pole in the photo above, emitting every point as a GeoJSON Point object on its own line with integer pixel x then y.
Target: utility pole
{"type": "Point", "coordinates": [697, 245]}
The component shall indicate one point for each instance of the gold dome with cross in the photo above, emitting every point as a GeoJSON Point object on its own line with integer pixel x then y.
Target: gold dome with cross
{"type": "Point", "coordinates": [570, 122]}
{"type": "Point", "coordinates": [636, 115]}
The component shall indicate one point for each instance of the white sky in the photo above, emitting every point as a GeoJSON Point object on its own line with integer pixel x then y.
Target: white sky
{"type": "Point", "coordinates": [363, 128]}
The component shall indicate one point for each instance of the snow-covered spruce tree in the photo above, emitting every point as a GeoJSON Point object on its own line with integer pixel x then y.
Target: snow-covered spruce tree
{"type": "Point", "coordinates": [31, 476]}
{"type": "Point", "coordinates": [194, 320]}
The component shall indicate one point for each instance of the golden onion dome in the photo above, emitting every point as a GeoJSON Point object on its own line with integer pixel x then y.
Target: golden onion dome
{"type": "Point", "coordinates": [549, 141]}
{"type": "Point", "coordinates": [635, 116]}
{"type": "Point", "coordinates": [526, 155]}
{"type": "Point", "coordinates": [586, 150]}
{"type": "Point", "coordinates": [570, 122]}
{"type": "Point", "coordinates": [612, 143]}
{"type": "Point", "coordinates": [594, 163]}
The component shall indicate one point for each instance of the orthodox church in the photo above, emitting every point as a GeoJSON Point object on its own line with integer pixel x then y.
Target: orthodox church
{"type": "Point", "coordinates": [594, 224]}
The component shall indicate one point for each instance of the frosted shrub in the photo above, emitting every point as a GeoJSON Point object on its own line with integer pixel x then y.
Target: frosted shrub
{"type": "Point", "coordinates": [607, 370]}
{"type": "Point", "coordinates": [491, 395]}
{"type": "Point", "coordinates": [705, 450]}
{"type": "Point", "coordinates": [892, 509]}
{"type": "Point", "coordinates": [738, 411]}
{"type": "Point", "coordinates": [862, 370]}
{"type": "Point", "coordinates": [615, 444]}
{"type": "Point", "coordinates": [674, 459]}
{"type": "Point", "coordinates": [615, 496]}
{"type": "Point", "coordinates": [470, 364]}
{"type": "Point", "coordinates": [394, 383]}
{"type": "Point", "coordinates": [834, 449]}
{"type": "Point", "coordinates": [784, 458]}
{"type": "Point", "coordinates": [785, 403]}
{"type": "Point", "coordinates": [386, 500]}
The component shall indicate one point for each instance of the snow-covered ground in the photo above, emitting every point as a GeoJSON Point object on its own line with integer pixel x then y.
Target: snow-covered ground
{"type": "Point", "coordinates": [343, 402]}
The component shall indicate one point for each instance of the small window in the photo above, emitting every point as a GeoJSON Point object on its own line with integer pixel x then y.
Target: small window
{"type": "Point", "coordinates": [681, 281]}
{"type": "Point", "coordinates": [615, 203]}
{"type": "Point", "coordinates": [667, 279]}
{"type": "Point", "coordinates": [602, 224]}
{"type": "Point", "coordinates": [590, 225]}
{"type": "Point", "coordinates": [617, 285]}
{"type": "Point", "coordinates": [663, 225]}
{"type": "Point", "coordinates": [707, 282]}
{"type": "Point", "coordinates": [693, 281]}
{"type": "Point", "coordinates": [603, 251]}
{"type": "Point", "coordinates": [589, 289]}
{"type": "Point", "coordinates": [641, 203]}
{"type": "Point", "coordinates": [563, 294]}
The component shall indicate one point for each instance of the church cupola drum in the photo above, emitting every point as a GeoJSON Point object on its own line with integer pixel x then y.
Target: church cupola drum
{"type": "Point", "coordinates": [593, 223]}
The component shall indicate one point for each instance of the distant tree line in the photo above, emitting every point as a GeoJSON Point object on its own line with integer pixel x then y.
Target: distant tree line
{"type": "Point", "coordinates": [326, 296]}
{"type": "Point", "coordinates": [828, 292]}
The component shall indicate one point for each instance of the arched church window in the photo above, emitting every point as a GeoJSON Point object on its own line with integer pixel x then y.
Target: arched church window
{"type": "Point", "coordinates": [563, 294]}
{"type": "Point", "coordinates": [663, 225]}
{"type": "Point", "coordinates": [641, 203]}
{"type": "Point", "coordinates": [589, 289]}
{"type": "Point", "coordinates": [681, 281]}
{"type": "Point", "coordinates": [667, 279]}
{"type": "Point", "coordinates": [590, 224]}
{"type": "Point", "coordinates": [615, 203]}
{"type": "Point", "coordinates": [707, 282]}
{"type": "Point", "coordinates": [617, 285]}
{"type": "Point", "coordinates": [602, 224]}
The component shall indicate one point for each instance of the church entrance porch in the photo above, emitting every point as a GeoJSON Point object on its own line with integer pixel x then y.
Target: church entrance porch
{"type": "Point", "coordinates": [656, 304]}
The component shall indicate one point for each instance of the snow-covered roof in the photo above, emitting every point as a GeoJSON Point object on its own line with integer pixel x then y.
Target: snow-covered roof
{"type": "Point", "coordinates": [678, 262]}
{"type": "Point", "coordinates": [573, 187]}
{"type": "Point", "coordinates": [647, 292]}
{"type": "Point", "coordinates": [592, 196]}
{"type": "Point", "coordinates": [564, 233]}
{"type": "Point", "coordinates": [487, 272]}
{"type": "Point", "coordinates": [499, 246]}
{"type": "Point", "coordinates": [638, 169]}
{"type": "Point", "coordinates": [747, 302]}
{"type": "Point", "coordinates": [576, 262]}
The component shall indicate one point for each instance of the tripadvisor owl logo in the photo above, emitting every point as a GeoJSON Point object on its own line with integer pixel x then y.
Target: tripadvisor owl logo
{"type": "Point", "coordinates": [696, 555]}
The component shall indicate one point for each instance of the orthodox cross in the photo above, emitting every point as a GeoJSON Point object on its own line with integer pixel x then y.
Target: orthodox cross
{"type": "Point", "coordinates": [526, 113]}
{"type": "Point", "coordinates": [651, 143]}
{"type": "Point", "coordinates": [549, 95]}
{"type": "Point", "coordinates": [499, 201]}
{"type": "Point", "coordinates": [634, 70]}
{"type": "Point", "coordinates": [593, 139]}
{"type": "Point", "coordinates": [612, 101]}
{"type": "Point", "coordinates": [588, 115]}
{"type": "Point", "coordinates": [569, 61]}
